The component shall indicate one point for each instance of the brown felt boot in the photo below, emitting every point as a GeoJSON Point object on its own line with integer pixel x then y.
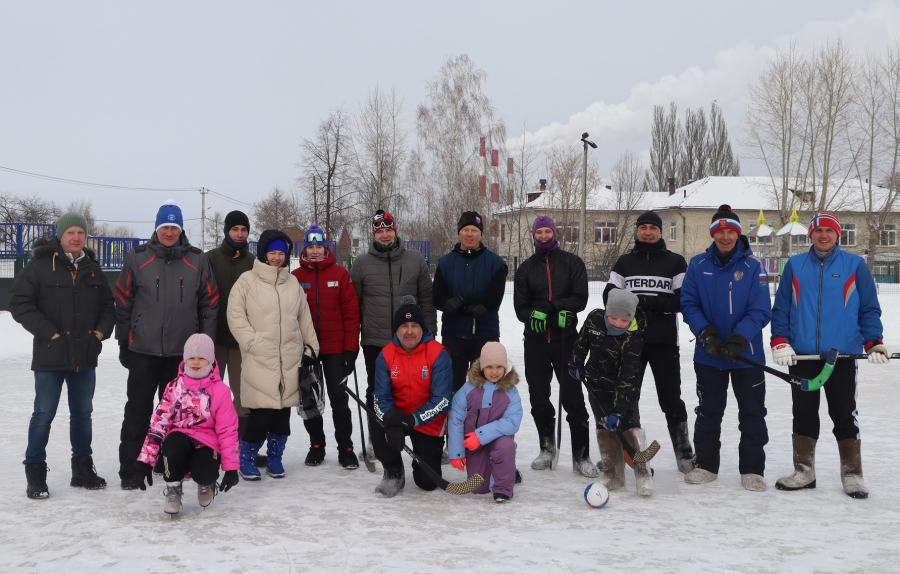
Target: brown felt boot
{"type": "Point", "coordinates": [851, 468]}
{"type": "Point", "coordinates": [804, 475]}
{"type": "Point", "coordinates": [638, 439]}
{"type": "Point", "coordinates": [611, 456]}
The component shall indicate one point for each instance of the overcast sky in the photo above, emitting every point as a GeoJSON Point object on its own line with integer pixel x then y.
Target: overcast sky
{"type": "Point", "coordinates": [218, 94]}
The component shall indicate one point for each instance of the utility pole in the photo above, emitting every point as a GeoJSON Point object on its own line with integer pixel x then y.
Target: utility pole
{"type": "Point", "coordinates": [203, 192]}
{"type": "Point", "coordinates": [582, 223]}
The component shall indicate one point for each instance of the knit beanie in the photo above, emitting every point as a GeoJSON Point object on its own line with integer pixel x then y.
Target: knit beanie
{"type": "Point", "coordinates": [169, 214]}
{"type": "Point", "coordinates": [649, 218]}
{"type": "Point", "coordinates": [822, 219]}
{"type": "Point", "coordinates": [621, 303]}
{"type": "Point", "coordinates": [201, 346]}
{"type": "Point", "coordinates": [277, 244]}
{"type": "Point", "coordinates": [383, 220]}
{"type": "Point", "coordinates": [314, 236]}
{"type": "Point", "coordinates": [68, 220]}
{"type": "Point", "coordinates": [544, 246]}
{"type": "Point", "coordinates": [493, 353]}
{"type": "Point", "coordinates": [725, 219]}
{"type": "Point", "coordinates": [409, 312]}
{"type": "Point", "coordinates": [470, 218]}
{"type": "Point", "coordinates": [236, 218]}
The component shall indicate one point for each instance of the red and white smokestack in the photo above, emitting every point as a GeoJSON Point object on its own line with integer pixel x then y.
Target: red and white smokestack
{"type": "Point", "coordinates": [509, 181]}
{"type": "Point", "coordinates": [495, 176]}
{"type": "Point", "coordinates": [482, 166]}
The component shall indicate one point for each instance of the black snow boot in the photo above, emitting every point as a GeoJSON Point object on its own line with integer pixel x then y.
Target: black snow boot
{"type": "Point", "coordinates": [681, 442]}
{"type": "Point", "coordinates": [547, 436]}
{"type": "Point", "coordinates": [315, 456]}
{"type": "Point", "coordinates": [36, 474]}
{"type": "Point", "coordinates": [581, 455]}
{"type": "Point", "coordinates": [393, 481]}
{"type": "Point", "coordinates": [84, 474]}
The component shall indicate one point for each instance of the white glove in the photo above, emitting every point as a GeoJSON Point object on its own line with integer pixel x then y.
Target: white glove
{"type": "Point", "coordinates": [878, 355]}
{"type": "Point", "coordinates": [784, 355]}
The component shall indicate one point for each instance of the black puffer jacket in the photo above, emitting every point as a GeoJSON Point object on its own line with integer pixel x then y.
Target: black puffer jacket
{"type": "Point", "coordinates": [558, 277]}
{"type": "Point", "coordinates": [227, 265]}
{"type": "Point", "coordinates": [49, 296]}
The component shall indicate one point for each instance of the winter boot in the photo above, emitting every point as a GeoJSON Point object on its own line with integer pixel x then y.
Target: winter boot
{"type": "Point", "coordinates": [701, 476]}
{"type": "Point", "coordinates": [393, 481]}
{"type": "Point", "coordinates": [547, 437]}
{"type": "Point", "coordinates": [445, 456]}
{"type": "Point", "coordinates": [36, 475]}
{"type": "Point", "coordinates": [206, 493]}
{"type": "Point", "coordinates": [804, 465]}
{"type": "Point", "coordinates": [84, 474]}
{"type": "Point", "coordinates": [315, 456]}
{"type": "Point", "coordinates": [851, 468]}
{"type": "Point", "coordinates": [274, 449]}
{"type": "Point", "coordinates": [518, 477]}
{"type": "Point", "coordinates": [500, 498]}
{"type": "Point", "coordinates": [347, 459]}
{"type": "Point", "coordinates": [248, 470]}
{"type": "Point", "coordinates": [642, 476]}
{"type": "Point", "coordinates": [681, 442]}
{"type": "Point", "coordinates": [173, 497]}
{"type": "Point", "coordinates": [613, 462]}
{"type": "Point", "coordinates": [753, 482]}
{"type": "Point", "coordinates": [581, 456]}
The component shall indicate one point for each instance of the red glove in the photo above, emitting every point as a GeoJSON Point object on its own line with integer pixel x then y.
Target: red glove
{"type": "Point", "coordinates": [458, 463]}
{"type": "Point", "coordinates": [471, 441]}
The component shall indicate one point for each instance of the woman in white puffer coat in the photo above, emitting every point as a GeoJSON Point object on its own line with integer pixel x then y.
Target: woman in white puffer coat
{"type": "Point", "coordinates": [270, 319]}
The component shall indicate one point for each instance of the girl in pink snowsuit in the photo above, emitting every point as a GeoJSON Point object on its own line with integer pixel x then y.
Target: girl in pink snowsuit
{"type": "Point", "coordinates": [484, 417]}
{"type": "Point", "coordinates": [194, 428]}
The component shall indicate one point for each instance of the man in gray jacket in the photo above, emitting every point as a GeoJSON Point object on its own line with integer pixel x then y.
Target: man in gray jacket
{"type": "Point", "coordinates": [165, 293]}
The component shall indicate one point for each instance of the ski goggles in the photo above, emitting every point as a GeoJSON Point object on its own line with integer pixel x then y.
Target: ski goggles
{"type": "Point", "coordinates": [314, 238]}
{"type": "Point", "coordinates": [382, 221]}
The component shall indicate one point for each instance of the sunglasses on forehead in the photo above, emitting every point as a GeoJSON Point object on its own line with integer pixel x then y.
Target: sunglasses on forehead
{"type": "Point", "coordinates": [311, 237]}
{"type": "Point", "coordinates": [382, 223]}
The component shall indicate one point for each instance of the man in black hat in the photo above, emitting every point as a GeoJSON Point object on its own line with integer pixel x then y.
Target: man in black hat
{"type": "Point", "coordinates": [655, 274]}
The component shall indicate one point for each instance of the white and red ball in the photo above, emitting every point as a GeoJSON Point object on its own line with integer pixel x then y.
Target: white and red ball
{"type": "Point", "coordinates": [596, 495]}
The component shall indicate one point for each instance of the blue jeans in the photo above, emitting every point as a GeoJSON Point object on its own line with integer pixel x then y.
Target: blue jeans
{"type": "Point", "coordinates": [47, 389]}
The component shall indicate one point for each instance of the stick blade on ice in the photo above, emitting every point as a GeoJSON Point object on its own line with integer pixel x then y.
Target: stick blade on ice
{"type": "Point", "coordinates": [466, 487]}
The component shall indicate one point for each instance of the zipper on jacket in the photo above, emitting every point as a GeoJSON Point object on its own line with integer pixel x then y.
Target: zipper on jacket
{"type": "Point", "coordinates": [280, 359]}
{"type": "Point", "coordinates": [730, 307]}
{"type": "Point", "coordinates": [391, 284]}
{"type": "Point", "coordinates": [318, 316]}
{"type": "Point", "coordinates": [157, 288]}
{"type": "Point", "coordinates": [181, 279]}
{"type": "Point", "coordinates": [819, 310]}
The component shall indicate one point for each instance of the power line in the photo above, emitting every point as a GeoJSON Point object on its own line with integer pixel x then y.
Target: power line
{"type": "Point", "coordinates": [148, 221]}
{"type": "Point", "coordinates": [223, 196]}
{"type": "Point", "coordinates": [89, 184]}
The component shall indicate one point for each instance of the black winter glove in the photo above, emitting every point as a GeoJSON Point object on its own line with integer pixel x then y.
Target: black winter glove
{"type": "Point", "coordinates": [349, 363]}
{"type": "Point", "coordinates": [124, 353]}
{"type": "Point", "coordinates": [648, 302]}
{"type": "Point", "coordinates": [146, 472]}
{"type": "Point", "coordinates": [566, 319]}
{"type": "Point", "coordinates": [712, 342]}
{"type": "Point", "coordinates": [545, 307]}
{"type": "Point", "coordinates": [395, 437]}
{"type": "Point", "coordinates": [733, 347]}
{"type": "Point", "coordinates": [480, 312]}
{"type": "Point", "coordinates": [454, 306]}
{"type": "Point", "coordinates": [397, 418]}
{"type": "Point", "coordinates": [230, 479]}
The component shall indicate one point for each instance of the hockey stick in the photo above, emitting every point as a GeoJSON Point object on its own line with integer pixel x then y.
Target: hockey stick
{"type": "Point", "coordinates": [555, 461]}
{"type": "Point", "coordinates": [804, 384]}
{"type": "Point", "coordinates": [632, 455]}
{"type": "Point", "coordinates": [370, 463]}
{"type": "Point", "coordinates": [466, 487]}
{"type": "Point", "coordinates": [852, 356]}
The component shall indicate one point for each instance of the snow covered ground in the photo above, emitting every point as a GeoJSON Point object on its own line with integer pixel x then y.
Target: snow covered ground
{"type": "Point", "coordinates": [326, 519]}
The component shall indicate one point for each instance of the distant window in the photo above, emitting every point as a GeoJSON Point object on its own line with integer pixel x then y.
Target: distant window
{"type": "Point", "coordinates": [800, 241]}
{"type": "Point", "coordinates": [848, 234]}
{"type": "Point", "coordinates": [568, 232]}
{"type": "Point", "coordinates": [887, 237]}
{"type": "Point", "coordinates": [673, 231]}
{"type": "Point", "coordinates": [502, 232]}
{"type": "Point", "coordinates": [605, 232]}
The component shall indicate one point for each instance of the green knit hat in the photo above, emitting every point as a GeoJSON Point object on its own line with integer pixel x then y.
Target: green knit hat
{"type": "Point", "coordinates": [68, 220]}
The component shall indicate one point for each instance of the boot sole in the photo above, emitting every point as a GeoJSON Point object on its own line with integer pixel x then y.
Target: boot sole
{"type": "Point", "coordinates": [37, 495]}
{"type": "Point", "coordinates": [86, 486]}
{"type": "Point", "coordinates": [780, 486]}
{"type": "Point", "coordinates": [858, 495]}
{"type": "Point", "coordinates": [274, 474]}
{"type": "Point", "coordinates": [251, 478]}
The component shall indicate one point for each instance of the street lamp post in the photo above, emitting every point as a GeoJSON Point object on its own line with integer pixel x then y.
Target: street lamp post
{"type": "Point", "coordinates": [582, 222]}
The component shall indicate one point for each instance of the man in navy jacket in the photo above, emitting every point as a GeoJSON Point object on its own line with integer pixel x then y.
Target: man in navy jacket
{"type": "Point", "coordinates": [725, 301]}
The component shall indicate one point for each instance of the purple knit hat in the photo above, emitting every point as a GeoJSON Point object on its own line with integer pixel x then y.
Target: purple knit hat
{"type": "Point", "coordinates": [545, 246]}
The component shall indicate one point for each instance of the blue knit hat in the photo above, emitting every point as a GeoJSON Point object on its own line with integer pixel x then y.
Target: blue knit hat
{"type": "Point", "coordinates": [169, 214]}
{"type": "Point", "coordinates": [314, 236]}
{"type": "Point", "coordinates": [277, 245]}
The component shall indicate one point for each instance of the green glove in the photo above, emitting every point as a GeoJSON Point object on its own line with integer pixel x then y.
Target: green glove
{"type": "Point", "coordinates": [566, 319]}
{"type": "Point", "coordinates": [538, 321]}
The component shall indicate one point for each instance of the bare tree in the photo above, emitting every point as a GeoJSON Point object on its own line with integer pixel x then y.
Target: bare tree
{"type": "Point", "coordinates": [720, 159]}
{"type": "Point", "coordinates": [628, 179]}
{"type": "Point", "coordinates": [215, 228]}
{"type": "Point", "coordinates": [278, 210]}
{"type": "Point", "coordinates": [665, 146]}
{"type": "Point", "coordinates": [85, 207]}
{"type": "Point", "coordinates": [694, 151]}
{"type": "Point", "coordinates": [565, 166]}
{"type": "Point", "coordinates": [525, 161]}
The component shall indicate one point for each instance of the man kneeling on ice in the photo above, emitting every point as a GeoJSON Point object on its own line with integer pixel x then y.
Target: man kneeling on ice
{"type": "Point", "coordinates": [413, 382]}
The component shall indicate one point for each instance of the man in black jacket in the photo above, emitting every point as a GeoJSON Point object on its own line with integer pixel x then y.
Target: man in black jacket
{"type": "Point", "coordinates": [165, 293]}
{"type": "Point", "coordinates": [62, 298]}
{"type": "Point", "coordinates": [654, 274]}
{"type": "Point", "coordinates": [551, 286]}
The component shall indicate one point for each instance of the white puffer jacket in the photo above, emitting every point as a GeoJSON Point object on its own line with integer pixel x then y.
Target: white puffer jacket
{"type": "Point", "coordinates": [269, 317]}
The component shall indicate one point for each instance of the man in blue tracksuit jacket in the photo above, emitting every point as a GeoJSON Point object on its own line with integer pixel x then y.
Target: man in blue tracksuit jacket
{"type": "Point", "coordinates": [725, 301]}
{"type": "Point", "coordinates": [826, 299]}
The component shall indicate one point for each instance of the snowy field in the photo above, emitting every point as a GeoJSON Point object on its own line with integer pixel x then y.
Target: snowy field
{"type": "Point", "coordinates": [326, 519]}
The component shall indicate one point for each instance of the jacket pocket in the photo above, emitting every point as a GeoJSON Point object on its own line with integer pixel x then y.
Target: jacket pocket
{"type": "Point", "coordinates": [52, 354]}
{"type": "Point", "coordinates": [94, 348]}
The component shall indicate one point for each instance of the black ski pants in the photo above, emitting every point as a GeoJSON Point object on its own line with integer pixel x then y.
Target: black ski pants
{"type": "Point", "coordinates": [463, 352]}
{"type": "Point", "coordinates": [542, 359]}
{"type": "Point", "coordinates": [665, 364]}
{"type": "Point", "coordinates": [181, 455]}
{"type": "Point", "coordinates": [428, 448]}
{"type": "Point", "coordinates": [261, 422]}
{"type": "Point", "coordinates": [749, 386]}
{"type": "Point", "coordinates": [333, 368]}
{"type": "Point", "coordinates": [840, 393]}
{"type": "Point", "coordinates": [370, 354]}
{"type": "Point", "coordinates": [148, 376]}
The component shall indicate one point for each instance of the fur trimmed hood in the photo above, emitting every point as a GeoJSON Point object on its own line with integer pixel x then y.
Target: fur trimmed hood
{"type": "Point", "coordinates": [45, 248]}
{"type": "Point", "coordinates": [508, 381]}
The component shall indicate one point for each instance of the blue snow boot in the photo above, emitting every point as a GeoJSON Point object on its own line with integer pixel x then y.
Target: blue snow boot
{"type": "Point", "coordinates": [274, 449]}
{"type": "Point", "coordinates": [248, 469]}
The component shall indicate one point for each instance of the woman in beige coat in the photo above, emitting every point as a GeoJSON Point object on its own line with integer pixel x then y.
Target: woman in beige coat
{"type": "Point", "coordinates": [269, 317]}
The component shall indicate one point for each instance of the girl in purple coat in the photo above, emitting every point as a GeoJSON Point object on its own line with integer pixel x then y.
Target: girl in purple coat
{"type": "Point", "coordinates": [484, 417]}
{"type": "Point", "coordinates": [194, 429]}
